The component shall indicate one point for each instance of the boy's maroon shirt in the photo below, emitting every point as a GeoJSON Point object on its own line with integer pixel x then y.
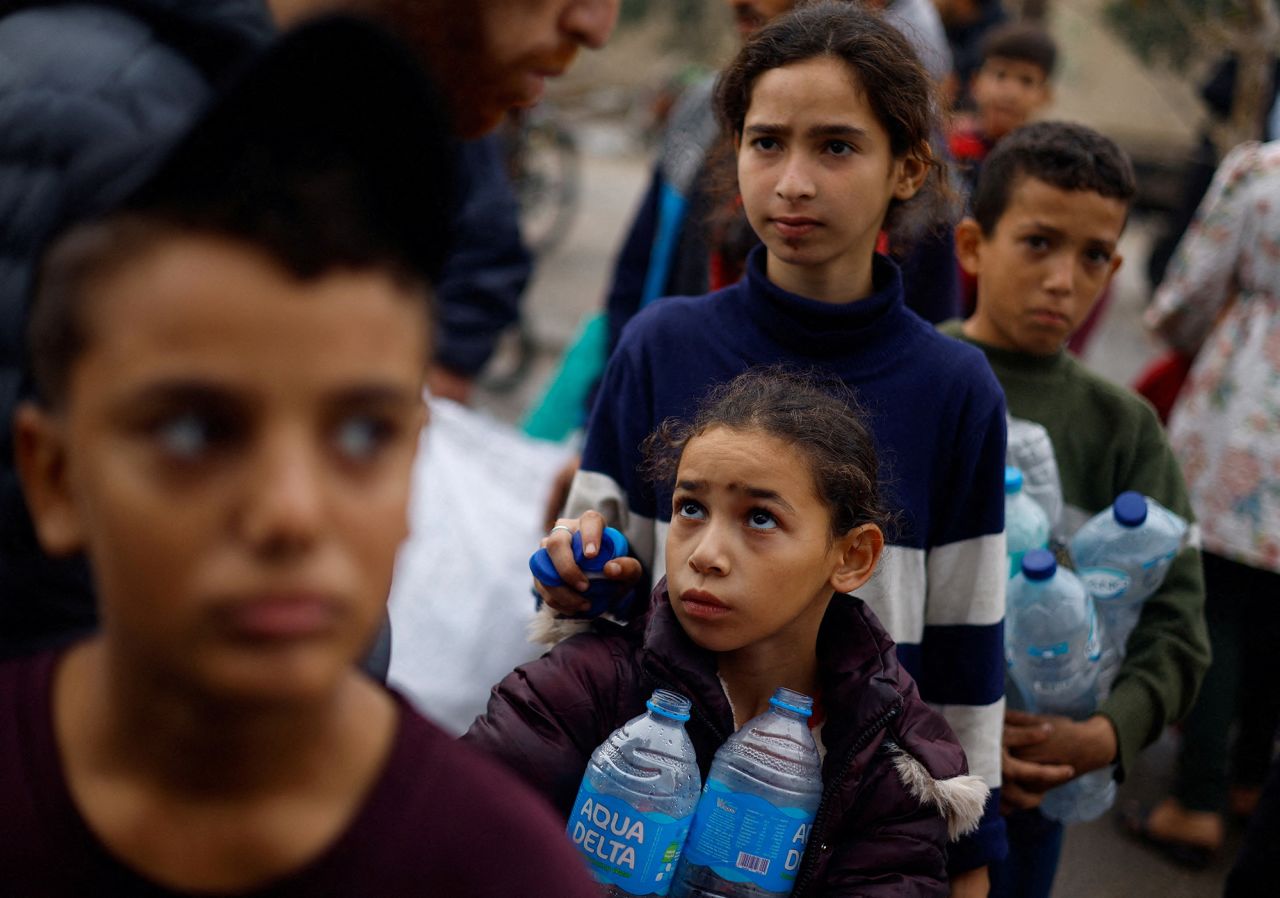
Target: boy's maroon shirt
{"type": "Point", "coordinates": [440, 820]}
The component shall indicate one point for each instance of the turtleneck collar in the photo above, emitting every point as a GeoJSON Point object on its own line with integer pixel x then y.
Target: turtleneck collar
{"type": "Point", "coordinates": [812, 327]}
{"type": "Point", "coordinates": [1023, 362]}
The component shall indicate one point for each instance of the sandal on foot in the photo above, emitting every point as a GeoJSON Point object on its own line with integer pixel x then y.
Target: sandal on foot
{"type": "Point", "coordinates": [1135, 820]}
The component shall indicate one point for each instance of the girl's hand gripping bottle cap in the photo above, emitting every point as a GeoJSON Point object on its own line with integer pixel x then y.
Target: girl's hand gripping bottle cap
{"type": "Point", "coordinates": [602, 591]}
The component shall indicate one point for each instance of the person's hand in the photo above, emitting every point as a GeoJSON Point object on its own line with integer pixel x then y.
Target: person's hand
{"type": "Point", "coordinates": [1085, 745]}
{"type": "Point", "coordinates": [568, 599]}
{"type": "Point", "coordinates": [560, 492]}
{"type": "Point", "coordinates": [1024, 782]}
{"type": "Point", "coordinates": [971, 884]}
{"type": "Point", "coordinates": [443, 383]}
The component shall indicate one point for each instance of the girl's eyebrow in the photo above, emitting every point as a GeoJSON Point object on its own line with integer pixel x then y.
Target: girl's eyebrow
{"type": "Point", "coordinates": [755, 492]}
{"type": "Point", "coordinates": [833, 129]}
{"type": "Point", "coordinates": [838, 130]}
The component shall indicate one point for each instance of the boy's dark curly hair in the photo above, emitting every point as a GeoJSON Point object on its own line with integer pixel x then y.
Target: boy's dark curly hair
{"type": "Point", "coordinates": [1066, 155]}
{"type": "Point", "coordinates": [1022, 42]}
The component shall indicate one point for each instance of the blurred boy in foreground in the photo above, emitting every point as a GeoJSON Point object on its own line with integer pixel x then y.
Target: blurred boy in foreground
{"type": "Point", "coordinates": [229, 369]}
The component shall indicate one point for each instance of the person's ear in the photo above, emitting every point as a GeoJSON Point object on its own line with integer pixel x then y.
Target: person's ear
{"type": "Point", "coordinates": [969, 245]}
{"type": "Point", "coordinates": [40, 453]}
{"type": "Point", "coordinates": [1116, 261]}
{"type": "Point", "coordinates": [859, 553]}
{"type": "Point", "coordinates": [912, 169]}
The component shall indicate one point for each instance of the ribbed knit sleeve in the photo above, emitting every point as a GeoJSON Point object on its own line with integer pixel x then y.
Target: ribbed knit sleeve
{"type": "Point", "coordinates": [962, 652]}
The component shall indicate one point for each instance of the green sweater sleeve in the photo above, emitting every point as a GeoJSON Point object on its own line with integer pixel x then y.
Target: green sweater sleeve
{"type": "Point", "coordinates": [1168, 651]}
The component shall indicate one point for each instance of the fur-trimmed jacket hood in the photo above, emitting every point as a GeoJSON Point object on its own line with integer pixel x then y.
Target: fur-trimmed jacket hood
{"type": "Point", "coordinates": [896, 787]}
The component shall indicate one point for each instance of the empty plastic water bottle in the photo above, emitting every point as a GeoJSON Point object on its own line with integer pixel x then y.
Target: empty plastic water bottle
{"type": "Point", "coordinates": [636, 801]}
{"type": "Point", "coordinates": [1054, 651]}
{"type": "Point", "coordinates": [1026, 526]}
{"type": "Point", "coordinates": [603, 592]}
{"type": "Point", "coordinates": [1030, 450]}
{"type": "Point", "coordinates": [757, 808]}
{"type": "Point", "coordinates": [1123, 554]}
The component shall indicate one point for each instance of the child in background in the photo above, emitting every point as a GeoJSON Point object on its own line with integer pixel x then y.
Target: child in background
{"type": "Point", "coordinates": [775, 517]}
{"type": "Point", "coordinates": [1047, 217]}
{"type": "Point", "coordinates": [230, 368]}
{"type": "Point", "coordinates": [1011, 85]}
{"type": "Point", "coordinates": [832, 115]}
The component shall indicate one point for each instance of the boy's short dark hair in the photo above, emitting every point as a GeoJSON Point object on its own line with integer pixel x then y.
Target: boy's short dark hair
{"type": "Point", "coordinates": [1066, 155]}
{"type": "Point", "coordinates": [1023, 42]}
{"type": "Point", "coordinates": [331, 153]}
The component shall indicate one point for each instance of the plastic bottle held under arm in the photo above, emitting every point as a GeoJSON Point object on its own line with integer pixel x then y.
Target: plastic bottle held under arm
{"type": "Point", "coordinates": [1026, 526]}
{"type": "Point", "coordinates": [757, 808]}
{"type": "Point", "coordinates": [1122, 555]}
{"type": "Point", "coordinates": [1054, 648]}
{"type": "Point", "coordinates": [636, 802]}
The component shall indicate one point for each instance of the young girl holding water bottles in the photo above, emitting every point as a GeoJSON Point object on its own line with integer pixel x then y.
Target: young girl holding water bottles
{"type": "Point", "coordinates": [832, 115]}
{"type": "Point", "coordinates": [774, 520]}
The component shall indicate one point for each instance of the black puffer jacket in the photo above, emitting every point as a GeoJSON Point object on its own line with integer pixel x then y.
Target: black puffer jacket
{"type": "Point", "coordinates": [90, 95]}
{"type": "Point", "coordinates": [895, 783]}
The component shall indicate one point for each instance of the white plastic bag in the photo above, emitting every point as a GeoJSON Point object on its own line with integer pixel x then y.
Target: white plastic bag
{"type": "Point", "coordinates": [460, 600]}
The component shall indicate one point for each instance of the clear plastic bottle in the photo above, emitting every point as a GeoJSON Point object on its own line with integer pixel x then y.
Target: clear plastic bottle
{"type": "Point", "coordinates": [1123, 554]}
{"type": "Point", "coordinates": [757, 809]}
{"type": "Point", "coordinates": [1030, 450]}
{"type": "Point", "coordinates": [637, 798]}
{"type": "Point", "coordinates": [1026, 526]}
{"type": "Point", "coordinates": [1054, 651]}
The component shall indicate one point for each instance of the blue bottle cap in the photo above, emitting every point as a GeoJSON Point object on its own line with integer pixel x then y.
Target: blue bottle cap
{"type": "Point", "coordinates": [1012, 479]}
{"type": "Point", "coordinates": [612, 545]}
{"type": "Point", "coordinates": [543, 570]}
{"type": "Point", "coordinates": [1039, 564]}
{"type": "Point", "coordinates": [795, 702]}
{"type": "Point", "coordinates": [669, 704]}
{"type": "Point", "coordinates": [1130, 509]}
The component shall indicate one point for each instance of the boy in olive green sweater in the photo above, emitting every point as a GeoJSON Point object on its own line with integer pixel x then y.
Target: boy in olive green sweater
{"type": "Point", "coordinates": [1048, 213]}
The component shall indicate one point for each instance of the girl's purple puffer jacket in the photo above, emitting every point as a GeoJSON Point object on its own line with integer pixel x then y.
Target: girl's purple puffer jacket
{"type": "Point", "coordinates": [896, 784]}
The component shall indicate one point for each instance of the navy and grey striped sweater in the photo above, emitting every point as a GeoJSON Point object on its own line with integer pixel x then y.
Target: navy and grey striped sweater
{"type": "Point", "coordinates": [938, 416]}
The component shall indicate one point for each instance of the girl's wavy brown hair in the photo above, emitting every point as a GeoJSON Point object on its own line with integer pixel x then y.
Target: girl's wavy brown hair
{"type": "Point", "coordinates": [816, 414]}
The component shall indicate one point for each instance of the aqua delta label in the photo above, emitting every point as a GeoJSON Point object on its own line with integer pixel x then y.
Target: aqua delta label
{"type": "Point", "coordinates": [744, 838]}
{"type": "Point", "coordinates": [630, 849]}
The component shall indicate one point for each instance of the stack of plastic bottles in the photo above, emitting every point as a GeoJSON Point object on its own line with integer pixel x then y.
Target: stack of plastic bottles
{"type": "Point", "coordinates": [1054, 653]}
{"type": "Point", "coordinates": [636, 802]}
{"type": "Point", "coordinates": [1026, 525]}
{"type": "Point", "coordinates": [757, 810]}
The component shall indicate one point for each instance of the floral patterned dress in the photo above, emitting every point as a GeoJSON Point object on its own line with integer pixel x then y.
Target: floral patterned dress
{"type": "Point", "coordinates": [1221, 299]}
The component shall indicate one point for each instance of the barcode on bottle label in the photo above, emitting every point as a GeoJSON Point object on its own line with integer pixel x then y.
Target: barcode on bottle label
{"type": "Point", "coordinates": [752, 863]}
